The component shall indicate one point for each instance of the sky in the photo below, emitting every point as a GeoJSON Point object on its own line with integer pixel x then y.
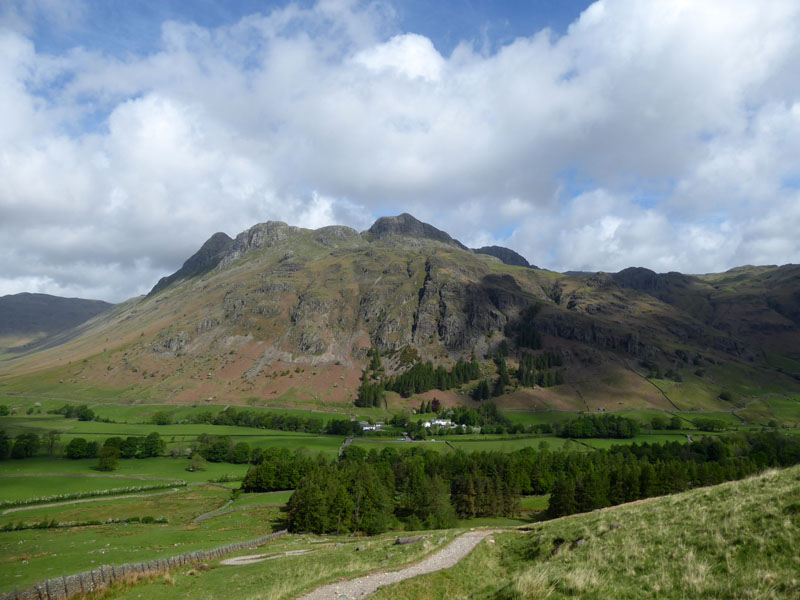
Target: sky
{"type": "Point", "coordinates": [585, 136]}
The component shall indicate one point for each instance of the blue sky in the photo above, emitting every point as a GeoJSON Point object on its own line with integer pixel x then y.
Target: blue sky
{"type": "Point", "coordinates": [119, 27]}
{"type": "Point", "coordinates": [586, 136]}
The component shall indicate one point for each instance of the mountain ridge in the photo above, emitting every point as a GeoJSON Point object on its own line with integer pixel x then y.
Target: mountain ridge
{"type": "Point", "coordinates": [244, 313]}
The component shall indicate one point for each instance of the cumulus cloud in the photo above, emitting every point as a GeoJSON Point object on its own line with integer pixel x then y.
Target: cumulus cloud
{"type": "Point", "coordinates": [660, 134]}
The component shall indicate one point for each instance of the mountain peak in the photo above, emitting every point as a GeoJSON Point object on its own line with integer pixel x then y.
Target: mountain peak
{"type": "Point", "coordinates": [408, 225]}
{"type": "Point", "coordinates": [506, 255]}
{"type": "Point", "coordinates": [204, 260]}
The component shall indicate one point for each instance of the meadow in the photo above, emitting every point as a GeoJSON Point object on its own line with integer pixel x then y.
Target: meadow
{"type": "Point", "coordinates": [30, 555]}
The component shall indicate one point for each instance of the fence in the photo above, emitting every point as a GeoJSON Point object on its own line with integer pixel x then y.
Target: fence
{"type": "Point", "coordinates": [62, 588]}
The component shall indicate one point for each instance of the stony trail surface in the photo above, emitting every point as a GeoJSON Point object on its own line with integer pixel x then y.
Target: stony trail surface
{"type": "Point", "coordinates": [362, 587]}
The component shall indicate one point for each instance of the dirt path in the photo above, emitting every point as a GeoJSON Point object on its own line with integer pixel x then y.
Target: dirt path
{"type": "Point", "coordinates": [362, 587]}
{"type": "Point", "coordinates": [250, 559]}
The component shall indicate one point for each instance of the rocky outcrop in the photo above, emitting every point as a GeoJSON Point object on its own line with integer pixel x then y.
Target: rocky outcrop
{"type": "Point", "coordinates": [334, 236]}
{"type": "Point", "coordinates": [406, 225]}
{"type": "Point", "coordinates": [262, 235]}
{"type": "Point", "coordinates": [171, 344]}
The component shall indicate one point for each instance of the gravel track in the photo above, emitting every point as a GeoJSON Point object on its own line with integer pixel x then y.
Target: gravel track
{"type": "Point", "coordinates": [362, 587]}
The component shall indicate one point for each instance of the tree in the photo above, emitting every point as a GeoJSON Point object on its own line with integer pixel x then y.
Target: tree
{"type": "Point", "coordinates": [161, 418]}
{"type": "Point", "coordinates": [5, 445]}
{"type": "Point", "coordinates": [197, 463]}
{"type": "Point", "coordinates": [481, 392]}
{"type": "Point", "coordinates": [462, 495]}
{"type": "Point", "coordinates": [498, 388]}
{"type": "Point", "coordinates": [77, 448]}
{"type": "Point", "coordinates": [153, 445]}
{"type": "Point", "coordinates": [50, 440]}
{"type": "Point", "coordinates": [130, 447]}
{"type": "Point", "coordinates": [658, 422]}
{"type": "Point", "coordinates": [84, 413]}
{"type": "Point", "coordinates": [25, 445]}
{"type": "Point", "coordinates": [239, 454]}
{"type": "Point", "coordinates": [562, 498]}
{"type": "Point", "coordinates": [108, 456]}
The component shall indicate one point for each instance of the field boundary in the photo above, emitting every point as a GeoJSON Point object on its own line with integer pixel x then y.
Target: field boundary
{"type": "Point", "coordinates": [65, 587]}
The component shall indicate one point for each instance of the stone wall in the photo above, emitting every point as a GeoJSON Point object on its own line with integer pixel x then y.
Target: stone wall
{"type": "Point", "coordinates": [62, 588]}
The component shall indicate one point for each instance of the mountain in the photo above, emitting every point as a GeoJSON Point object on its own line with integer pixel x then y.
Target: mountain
{"type": "Point", "coordinates": [285, 316]}
{"type": "Point", "coordinates": [201, 262]}
{"type": "Point", "coordinates": [506, 255]}
{"type": "Point", "coordinates": [406, 225]}
{"type": "Point", "coordinates": [25, 318]}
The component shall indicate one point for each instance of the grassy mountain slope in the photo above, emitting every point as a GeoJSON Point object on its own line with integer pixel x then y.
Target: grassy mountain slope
{"type": "Point", "coordinates": [736, 540]}
{"type": "Point", "coordinates": [285, 316]}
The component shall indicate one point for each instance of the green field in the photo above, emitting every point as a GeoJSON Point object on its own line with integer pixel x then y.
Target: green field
{"type": "Point", "coordinates": [535, 503]}
{"type": "Point", "coordinates": [511, 444]}
{"type": "Point", "coordinates": [276, 498]}
{"type": "Point", "coordinates": [379, 443]}
{"type": "Point", "coordinates": [148, 468]}
{"type": "Point", "coordinates": [18, 488]}
{"type": "Point", "coordinates": [29, 554]}
{"type": "Point", "coordinates": [141, 413]}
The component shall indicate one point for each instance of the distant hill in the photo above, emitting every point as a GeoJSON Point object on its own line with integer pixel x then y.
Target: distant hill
{"type": "Point", "coordinates": [30, 314]}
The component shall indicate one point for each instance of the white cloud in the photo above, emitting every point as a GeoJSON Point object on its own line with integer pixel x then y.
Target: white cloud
{"type": "Point", "coordinates": [656, 133]}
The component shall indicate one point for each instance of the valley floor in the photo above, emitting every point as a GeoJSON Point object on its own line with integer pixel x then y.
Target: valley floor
{"type": "Point", "coordinates": [735, 540]}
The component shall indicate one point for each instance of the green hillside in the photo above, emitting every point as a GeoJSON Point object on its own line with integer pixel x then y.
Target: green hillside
{"type": "Point", "coordinates": [736, 540]}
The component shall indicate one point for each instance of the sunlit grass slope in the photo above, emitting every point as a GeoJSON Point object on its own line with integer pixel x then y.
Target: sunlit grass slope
{"type": "Point", "coordinates": [736, 540]}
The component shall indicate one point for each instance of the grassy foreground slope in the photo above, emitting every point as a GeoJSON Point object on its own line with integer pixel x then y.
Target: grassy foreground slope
{"type": "Point", "coordinates": [735, 540]}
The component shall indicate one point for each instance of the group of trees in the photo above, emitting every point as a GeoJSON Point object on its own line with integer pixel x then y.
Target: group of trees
{"type": "Point", "coordinates": [277, 469]}
{"type": "Point", "coordinates": [23, 445]}
{"type": "Point", "coordinates": [537, 369]}
{"type": "Point", "coordinates": [420, 378]}
{"type": "Point", "coordinates": [626, 473]}
{"type": "Point", "coordinates": [116, 447]}
{"type": "Point", "coordinates": [221, 448]}
{"type": "Point", "coordinates": [534, 369]}
{"type": "Point", "coordinates": [416, 488]}
{"type": "Point", "coordinates": [260, 420]}
{"type": "Point", "coordinates": [598, 426]}
{"type": "Point", "coordinates": [81, 412]}
{"type": "Point", "coordinates": [524, 329]}
{"type": "Point", "coordinates": [371, 492]}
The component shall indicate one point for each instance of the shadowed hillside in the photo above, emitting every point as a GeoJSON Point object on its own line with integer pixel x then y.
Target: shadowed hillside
{"type": "Point", "coordinates": [25, 318]}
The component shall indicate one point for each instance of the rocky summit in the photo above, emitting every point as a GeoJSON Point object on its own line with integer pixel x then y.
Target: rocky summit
{"type": "Point", "coordinates": [287, 315]}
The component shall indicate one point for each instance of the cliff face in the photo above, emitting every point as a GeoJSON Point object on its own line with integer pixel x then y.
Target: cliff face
{"type": "Point", "coordinates": [278, 310]}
